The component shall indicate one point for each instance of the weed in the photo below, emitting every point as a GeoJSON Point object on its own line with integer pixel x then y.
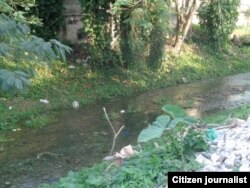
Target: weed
{"type": "Point", "coordinates": [36, 121]}
{"type": "Point", "coordinates": [221, 116]}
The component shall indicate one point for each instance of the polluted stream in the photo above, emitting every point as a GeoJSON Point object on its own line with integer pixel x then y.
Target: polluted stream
{"type": "Point", "coordinates": [83, 137]}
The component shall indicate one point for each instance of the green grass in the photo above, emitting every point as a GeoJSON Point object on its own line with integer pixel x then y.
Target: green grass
{"type": "Point", "coordinates": [61, 85]}
{"type": "Point", "coordinates": [221, 116]}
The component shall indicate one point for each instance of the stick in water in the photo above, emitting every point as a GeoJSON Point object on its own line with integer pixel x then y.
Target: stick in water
{"type": "Point", "coordinates": [113, 129]}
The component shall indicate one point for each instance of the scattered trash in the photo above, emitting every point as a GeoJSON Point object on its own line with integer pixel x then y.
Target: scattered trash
{"type": "Point", "coordinates": [75, 105]}
{"type": "Point", "coordinates": [126, 152]}
{"type": "Point", "coordinates": [71, 67]}
{"type": "Point", "coordinates": [18, 129]}
{"type": "Point", "coordinates": [212, 134]}
{"type": "Point", "coordinates": [45, 101]}
{"type": "Point", "coordinates": [229, 148]}
{"type": "Point", "coordinates": [122, 111]}
{"type": "Point", "coordinates": [10, 107]}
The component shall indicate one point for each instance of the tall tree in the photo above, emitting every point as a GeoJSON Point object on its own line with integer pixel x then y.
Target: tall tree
{"type": "Point", "coordinates": [185, 10]}
{"type": "Point", "coordinates": [218, 20]}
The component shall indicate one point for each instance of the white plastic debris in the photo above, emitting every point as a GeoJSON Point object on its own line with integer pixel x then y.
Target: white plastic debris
{"type": "Point", "coordinates": [122, 111]}
{"type": "Point", "coordinates": [71, 67]}
{"type": "Point", "coordinates": [75, 105]}
{"type": "Point", "coordinates": [125, 152]}
{"type": "Point", "coordinates": [45, 101]}
{"type": "Point", "coordinates": [10, 107]}
{"type": "Point", "coordinates": [17, 129]}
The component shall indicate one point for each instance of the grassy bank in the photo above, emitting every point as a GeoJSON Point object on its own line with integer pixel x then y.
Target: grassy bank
{"type": "Point", "coordinates": [61, 85]}
{"type": "Point", "coordinates": [220, 117]}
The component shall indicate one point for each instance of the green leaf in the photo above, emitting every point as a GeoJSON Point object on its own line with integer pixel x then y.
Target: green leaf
{"type": "Point", "coordinates": [10, 81]}
{"type": "Point", "coordinates": [21, 74]}
{"type": "Point", "coordinates": [174, 111]}
{"type": "Point", "coordinates": [150, 133]}
{"type": "Point", "coordinates": [13, 79]}
{"type": "Point", "coordinates": [163, 120]}
{"type": "Point", "coordinates": [175, 122]}
{"type": "Point", "coordinates": [186, 120]}
{"type": "Point", "coordinates": [18, 84]}
{"type": "Point", "coordinates": [95, 180]}
{"type": "Point", "coordinates": [189, 120]}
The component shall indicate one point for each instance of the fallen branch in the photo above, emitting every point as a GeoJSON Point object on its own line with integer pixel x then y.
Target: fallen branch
{"type": "Point", "coordinates": [114, 131]}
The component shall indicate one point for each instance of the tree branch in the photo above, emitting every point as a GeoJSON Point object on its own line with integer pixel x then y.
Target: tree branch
{"type": "Point", "coordinates": [115, 134]}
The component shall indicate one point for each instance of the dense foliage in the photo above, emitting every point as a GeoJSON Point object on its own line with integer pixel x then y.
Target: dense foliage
{"type": "Point", "coordinates": [126, 30]}
{"type": "Point", "coordinates": [97, 29]}
{"type": "Point", "coordinates": [18, 9]}
{"type": "Point", "coordinates": [218, 20]}
{"type": "Point", "coordinates": [52, 18]}
{"type": "Point", "coordinates": [19, 47]}
{"type": "Point", "coordinates": [174, 116]}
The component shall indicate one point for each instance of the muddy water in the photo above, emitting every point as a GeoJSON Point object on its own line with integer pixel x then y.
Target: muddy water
{"type": "Point", "coordinates": [83, 137]}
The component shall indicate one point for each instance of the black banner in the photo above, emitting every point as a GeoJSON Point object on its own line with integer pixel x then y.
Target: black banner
{"type": "Point", "coordinates": [208, 179]}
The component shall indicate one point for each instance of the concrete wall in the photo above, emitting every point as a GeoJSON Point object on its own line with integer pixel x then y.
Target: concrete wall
{"type": "Point", "coordinates": [73, 14]}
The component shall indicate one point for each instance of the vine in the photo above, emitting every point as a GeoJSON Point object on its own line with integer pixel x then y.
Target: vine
{"type": "Point", "coordinates": [51, 15]}
{"type": "Point", "coordinates": [125, 29]}
{"type": "Point", "coordinates": [97, 29]}
{"type": "Point", "coordinates": [218, 19]}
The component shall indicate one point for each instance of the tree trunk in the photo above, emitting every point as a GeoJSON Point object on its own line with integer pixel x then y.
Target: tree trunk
{"type": "Point", "coordinates": [185, 10]}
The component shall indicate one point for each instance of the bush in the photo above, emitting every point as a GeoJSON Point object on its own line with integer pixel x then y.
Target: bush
{"type": "Point", "coordinates": [218, 20]}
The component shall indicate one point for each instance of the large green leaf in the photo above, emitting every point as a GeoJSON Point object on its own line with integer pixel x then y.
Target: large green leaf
{"type": "Point", "coordinates": [163, 120]}
{"type": "Point", "coordinates": [175, 122]}
{"type": "Point", "coordinates": [186, 120]}
{"type": "Point", "coordinates": [150, 133]}
{"type": "Point", "coordinates": [174, 111]}
{"type": "Point", "coordinates": [189, 120]}
{"type": "Point", "coordinates": [13, 80]}
{"type": "Point", "coordinates": [155, 130]}
{"type": "Point", "coordinates": [175, 116]}
{"type": "Point", "coordinates": [18, 84]}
